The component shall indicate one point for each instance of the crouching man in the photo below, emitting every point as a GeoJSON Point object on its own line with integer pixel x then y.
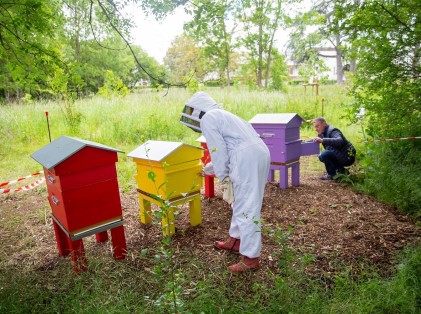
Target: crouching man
{"type": "Point", "coordinates": [339, 152]}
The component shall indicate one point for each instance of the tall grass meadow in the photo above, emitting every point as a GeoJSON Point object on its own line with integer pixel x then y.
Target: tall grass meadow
{"type": "Point", "coordinates": [127, 122]}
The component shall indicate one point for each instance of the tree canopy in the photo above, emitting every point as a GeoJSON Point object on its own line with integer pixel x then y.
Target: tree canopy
{"type": "Point", "coordinates": [385, 37]}
{"type": "Point", "coordinates": [54, 47]}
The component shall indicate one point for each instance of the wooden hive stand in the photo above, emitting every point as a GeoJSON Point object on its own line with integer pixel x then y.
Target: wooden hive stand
{"type": "Point", "coordinates": [168, 176]}
{"type": "Point", "coordinates": [167, 208]}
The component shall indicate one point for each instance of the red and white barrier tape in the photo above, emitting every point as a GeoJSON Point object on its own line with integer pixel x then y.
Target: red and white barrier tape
{"type": "Point", "coordinates": [393, 139]}
{"type": "Point", "coordinates": [20, 179]}
{"type": "Point", "coordinates": [23, 188]}
{"type": "Point", "coordinates": [384, 140]}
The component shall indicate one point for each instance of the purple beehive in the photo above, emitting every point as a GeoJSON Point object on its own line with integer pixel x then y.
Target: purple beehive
{"type": "Point", "coordinates": [281, 133]}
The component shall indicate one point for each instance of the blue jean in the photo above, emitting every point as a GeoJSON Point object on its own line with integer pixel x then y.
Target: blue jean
{"type": "Point", "coordinates": [331, 162]}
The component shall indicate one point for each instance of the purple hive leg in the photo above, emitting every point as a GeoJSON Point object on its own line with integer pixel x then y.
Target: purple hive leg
{"type": "Point", "coordinates": [283, 177]}
{"type": "Point", "coordinates": [271, 175]}
{"type": "Point", "coordinates": [295, 173]}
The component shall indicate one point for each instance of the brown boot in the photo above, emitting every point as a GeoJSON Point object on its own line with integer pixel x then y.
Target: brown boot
{"type": "Point", "coordinates": [245, 264]}
{"type": "Point", "coordinates": [232, 244]}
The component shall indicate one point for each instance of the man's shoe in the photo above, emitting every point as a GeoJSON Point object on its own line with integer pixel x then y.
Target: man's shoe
{"type": "Point", "coordinates": [232, 244]}
{"type": "Point", "coordinates": [245, 264]}
{"type": "Point", "coordinates": [326, 177]}
{"type": "Point", "coordinates": [343, 171]}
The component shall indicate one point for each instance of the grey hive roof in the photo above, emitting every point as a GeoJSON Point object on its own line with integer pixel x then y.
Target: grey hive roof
{"type": "Point", "coordinates": [274, 118]}
{"type": "Point", "coordinates": [201, 139]}
{"type": "Point", "coordinates": [62, 148]}
{"type": "Point", "coordinates": [156, 150]}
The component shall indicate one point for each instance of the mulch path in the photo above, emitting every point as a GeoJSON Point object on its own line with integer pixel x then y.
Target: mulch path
{"type": "Point", "coordinates": [324, 220]}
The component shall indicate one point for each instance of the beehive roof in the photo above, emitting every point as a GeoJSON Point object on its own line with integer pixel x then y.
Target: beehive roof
{"type": "Point", "coordinates": [157, 150]}
{"type": "Point", "coordinates": [201, 139]}
{"type": "Point", "coordinates": [62, 148]}
{"type": "Point", "coordinates": [275, 118]}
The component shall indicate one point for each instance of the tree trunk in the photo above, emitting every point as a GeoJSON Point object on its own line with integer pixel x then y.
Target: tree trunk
{"type": "Point", "coordinates": [274, 29]}
{"type": "Point", "coordinates": [227, 65]}
{"type": "Point", "coordinates": [228, 78]}
{"type": "Point", "coordinates": [268, 60]}
{"type": "Point", "coordinates": [77, 20]}
{"type": "Point", "coordinates": [260, 62]}
{"type": "Point", "coordinates": [339, 66]}
{"type": "Point", "coordinates": [353, 66]}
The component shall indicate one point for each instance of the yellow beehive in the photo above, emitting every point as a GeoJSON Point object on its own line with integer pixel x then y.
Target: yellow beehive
{"type": "Point", "coordinates": [168, 169]}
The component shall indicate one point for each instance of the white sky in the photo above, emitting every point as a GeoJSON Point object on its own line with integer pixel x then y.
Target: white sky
{"type": "Point", "coordinates": [156, 37]}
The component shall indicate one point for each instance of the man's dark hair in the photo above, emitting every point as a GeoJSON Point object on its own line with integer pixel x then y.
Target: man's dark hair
{"type": "Point", "coordinates": [319, 119]}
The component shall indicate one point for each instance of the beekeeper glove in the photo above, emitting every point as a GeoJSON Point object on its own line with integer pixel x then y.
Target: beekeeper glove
{"type": "Point", "coordinates": [208, 169]}
{"type": "Point", "coordinates": [227, 190]}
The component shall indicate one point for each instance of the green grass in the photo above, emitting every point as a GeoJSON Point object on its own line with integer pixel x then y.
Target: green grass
{"type": "Point", "coordinates": [118, 287]}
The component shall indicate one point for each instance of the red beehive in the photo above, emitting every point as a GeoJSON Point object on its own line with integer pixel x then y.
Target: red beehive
{"type": "Point", "coordinates": [83, 191]}
{"type": "Point", "coordinates": [209, 180]}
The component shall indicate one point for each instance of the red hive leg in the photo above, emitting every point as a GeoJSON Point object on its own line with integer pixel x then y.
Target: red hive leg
{"type": "Point", "coordinates": [119, 243]}
{"type": "Point", "coordinates": [209, 180]}
{"type": "Point", "coordinates": [80, 262]}
{"type": "Point", "coordinates": [101, 237]}
{"type": "Point", "coordinates": [61, 239]}
{"type": "Point", "coordinates": [209, 186]}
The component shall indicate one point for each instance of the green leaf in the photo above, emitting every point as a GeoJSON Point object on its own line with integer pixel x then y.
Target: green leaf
{"type": "Point", "coordinates": [151, 176]}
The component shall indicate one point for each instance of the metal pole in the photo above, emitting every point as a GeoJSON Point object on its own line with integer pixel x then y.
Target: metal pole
{"type": "Point", "coordinates": [48, 125]}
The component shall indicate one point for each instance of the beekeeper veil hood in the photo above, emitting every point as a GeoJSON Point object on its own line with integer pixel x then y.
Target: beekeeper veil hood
{"type": "Point", "coordinates": [195, 109]}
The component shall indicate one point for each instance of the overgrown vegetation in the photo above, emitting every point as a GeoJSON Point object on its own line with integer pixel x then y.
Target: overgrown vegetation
{"type": "Point", "coordinates": [154, 281]}
{"type": "Point", "coordinates": [127, 122]}
{"type": "Point", "coordinates": [384, 39]}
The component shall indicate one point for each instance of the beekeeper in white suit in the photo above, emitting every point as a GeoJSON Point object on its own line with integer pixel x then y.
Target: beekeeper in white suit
{"type": "Point", "coordinates": [240, 160]}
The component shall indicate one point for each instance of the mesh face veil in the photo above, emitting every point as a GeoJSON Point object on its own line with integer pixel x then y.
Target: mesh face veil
{"type": "Point", "coordinates": [195, 109]}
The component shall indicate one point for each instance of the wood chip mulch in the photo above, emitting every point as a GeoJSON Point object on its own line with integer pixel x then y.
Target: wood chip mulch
{"type": "Point", "coordinates": [325, 222]}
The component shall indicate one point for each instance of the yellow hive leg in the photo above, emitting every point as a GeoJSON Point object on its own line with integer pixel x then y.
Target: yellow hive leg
{"type": "Point", "coordinates": [195, 211]}
{"type": "Point", "coordinates": [145, 211]}
{"type": "Point", "coordinates": [167, 219]}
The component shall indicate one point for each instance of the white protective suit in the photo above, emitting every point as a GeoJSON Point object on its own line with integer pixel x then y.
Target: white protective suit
{"type": "Point", "coordinates": [237, 152]}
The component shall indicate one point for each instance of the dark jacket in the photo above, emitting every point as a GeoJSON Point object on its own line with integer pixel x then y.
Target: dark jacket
{"type": "Point", "coordinates": [335, 141]}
